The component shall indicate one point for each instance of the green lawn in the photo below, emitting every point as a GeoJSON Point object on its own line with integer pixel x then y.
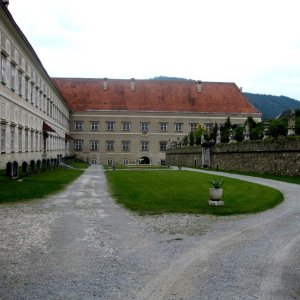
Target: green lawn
{"type": "Point", "coordinates": [78, 164]}
{"type": "Point", "coordinates": [156, 192]}
{"type": "Point", "coordinates": [36, 186]}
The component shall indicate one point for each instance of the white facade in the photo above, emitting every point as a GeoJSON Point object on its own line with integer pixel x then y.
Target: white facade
{"type": "Point", "coordinates": [116, 137]}
{"type": "Point", "coordinates": [28, 98]}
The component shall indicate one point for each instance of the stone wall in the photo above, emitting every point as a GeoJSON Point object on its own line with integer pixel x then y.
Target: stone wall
{"type": "Point", "coordinates": [281, 157]}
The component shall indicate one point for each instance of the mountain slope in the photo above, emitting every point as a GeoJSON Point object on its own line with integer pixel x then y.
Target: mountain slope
{"type": "Point", "coordinates": [271, 106]}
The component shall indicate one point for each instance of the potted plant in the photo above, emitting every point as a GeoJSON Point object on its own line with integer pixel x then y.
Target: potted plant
{"type": "Point", "coordinates": [216, 191]}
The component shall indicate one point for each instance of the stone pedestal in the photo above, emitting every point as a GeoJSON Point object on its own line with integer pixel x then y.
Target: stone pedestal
{"type": "Point", "coordinates": [215, 203]}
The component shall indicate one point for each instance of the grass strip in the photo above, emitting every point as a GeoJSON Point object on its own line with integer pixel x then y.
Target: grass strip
{"type": "Point", "coordinates": [289, 179]}
{"type": "Point", "coordinates": [158, 192]}
{"type": "Point", "coordinates": [36, 186]}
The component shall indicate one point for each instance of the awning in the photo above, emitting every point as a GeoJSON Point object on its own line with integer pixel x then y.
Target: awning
{"type": "Point", "coordinates": [47, 128]}
{"type": "Point", "coordinates": [68, 137]}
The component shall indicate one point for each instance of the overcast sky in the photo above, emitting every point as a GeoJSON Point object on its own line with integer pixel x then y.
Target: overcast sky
{"type": "Point", "coordinates": [254, 43]}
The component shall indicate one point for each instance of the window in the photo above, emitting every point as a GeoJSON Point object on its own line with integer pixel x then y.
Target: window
{"type": "Point", "coordinates": [162, 146]}
{"type": "Point", "coordinates": [94, 126]}
{"type": "Point", "coordinates": [78, 125]}
{"type": "Point", "coordinates": [125, 145]}
{"type": "Point", "coordinates": [145, 126]}
{"type": "Point", "coordinates": [144, 146]}
{"type": "Point", "coordinates": [163, 126]}
{"type": "Point", "coordinates": [94, 145]}
{"type": "Point", "coordinates": [110, 162]}
{"type": "Point", "coordinates": [13, 76]}
{"type": "Point", "coordinates": [20, 140]}
{"type": "Point", "coordinates": [36, 141]}
{"type": "Point", "coordinates": [3, 131]}
{"type": "Point", "coordinates": [26, 87]}
{"type": "Point", "coordinates": [78, 144]}
{"type": "Point", "coordinates": [110, 145]}
{"type": "Point", "coordinates": [31, 141]}
{"type": "Point", "coordinates": [209, 126]}
{"type": "Point", "coordinates": [193, 126]}
{"type": "Point", "coordinates": [26, 140]}
{"type": "Point", "coordinates": [126, 126]}
{"type": "Point", "coordinates": [3, 68]}
{"type": "Point", "coordinates": [12, 140]}
{"type": "Point", "coordinates": [37, 97]}
{"type": "Point", "coordinates": [19, 82]}
{"type": "Point", "coordinates": [178, 127]}
{"type": "Point", "coordinates": [162, 162]}
{"type": "Point", "coordinates": [125, 161]}
{"type": "Point", "coordinates": [110, 126]}
{"type": "Point", "coordinates": [31, 92]}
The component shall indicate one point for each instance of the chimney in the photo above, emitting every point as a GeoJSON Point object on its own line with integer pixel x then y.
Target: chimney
{"type": "Point", "coordinates": [132, 84]}
{"type": "Point", "coordinates": [105, 84]}
{"type": "Point", "coordinates": [241, 89]}
{"type": "Point", "coordinates": [5, 2]}
{"type": "Point", "coordinates": [199, 86]}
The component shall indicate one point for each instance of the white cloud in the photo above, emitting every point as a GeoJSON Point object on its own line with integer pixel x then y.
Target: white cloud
{"type": "Point", "coordinates": [251, 42]}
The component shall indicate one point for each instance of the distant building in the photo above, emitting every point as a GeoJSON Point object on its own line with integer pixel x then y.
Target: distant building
{"type": "Point", "coordinates": [133, 121]}
{"type": "Point", "coordinates": [111, 121]}
{"type": "Point", "coordinates": [31, 107]}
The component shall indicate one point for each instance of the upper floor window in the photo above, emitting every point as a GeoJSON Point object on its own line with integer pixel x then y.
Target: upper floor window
{"type": "Point", "coordinates": [78, 144]}
{"type": "Point", "coordinates": [178, 127]}
{"type": "Point", "coordinates": [144, 146]}
{"type": "Point", "coordinates": [94, 126]}
{"type": "Point", "coordinates": [163, 126]}
{"type": "Point", "coordinates": [94, 145]}
{"type": "Point", "coordinates": [3, 68]}
{"type": "Point", "coordinates": [145, 126]}
{"type": "Point", "coordinates": [125, 145]}
{"type": "Point", "coordinates": [162, 146]}
{"type": "Point", "coordinates": [110, 126]}
{"type": "Point", "coordinates": [26, 87]}
{"type": "Point", "coordinates": [110, 145]}
{"type": "Point", "coordinates": [78, 125]}
{"type": "Point", "coordinates": [19, 82]}
{"type": "Point", "coordinates": [13, 76]}
{"type": "Point", "coordinates": [126, 126]}
{"type": "Point", "coordinates": [31, 92]}
{"type": "Point", "coordinates": [193, 126]}
{"type": "Point", "coordinates": [209, 126]}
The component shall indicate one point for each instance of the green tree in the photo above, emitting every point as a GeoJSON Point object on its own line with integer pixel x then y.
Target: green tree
{"type": "Point", "coordinates": [225, 131]}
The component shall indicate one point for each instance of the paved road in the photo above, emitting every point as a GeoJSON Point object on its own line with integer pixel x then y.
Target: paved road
{"type": "Point", "coordinates": [80, 245]}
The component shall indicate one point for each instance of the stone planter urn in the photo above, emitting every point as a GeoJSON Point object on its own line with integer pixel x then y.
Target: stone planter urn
{"type": "Point", "coordinates": [216, 192]}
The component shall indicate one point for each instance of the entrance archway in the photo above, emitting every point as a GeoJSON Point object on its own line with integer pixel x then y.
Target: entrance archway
{"type": "Point", "coordinates": [144, 160]}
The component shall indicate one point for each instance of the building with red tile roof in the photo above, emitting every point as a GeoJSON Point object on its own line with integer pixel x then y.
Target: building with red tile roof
{"type": "Point", "coordinates": [129, 121]}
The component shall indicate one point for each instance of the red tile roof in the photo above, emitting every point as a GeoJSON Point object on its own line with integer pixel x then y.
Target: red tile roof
{"type": "Point", "coordinates": [153, 95]}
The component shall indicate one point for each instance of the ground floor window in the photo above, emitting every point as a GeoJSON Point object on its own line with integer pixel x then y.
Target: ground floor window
{"type": "Point", "coordinates": [3, 133]}
{"type": "Point", "coordinates": [162, 162]}
{"type": "Point", "coordinates": [94, 161]}
{"type": "Point", "coordinates": [110, 162]}
{"type": "Point", "coordinates": [125, 162]}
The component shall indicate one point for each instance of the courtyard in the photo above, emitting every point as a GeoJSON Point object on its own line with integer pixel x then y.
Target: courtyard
{"type": "Point", "coordinates": [79, 244]}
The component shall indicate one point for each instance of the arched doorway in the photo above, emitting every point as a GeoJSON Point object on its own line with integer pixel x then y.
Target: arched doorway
{"type": "Point", "coordinates": [144, 160]}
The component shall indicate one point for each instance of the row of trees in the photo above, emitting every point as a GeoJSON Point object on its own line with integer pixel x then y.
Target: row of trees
{"type": "Point", "coordinates": [276, 128]}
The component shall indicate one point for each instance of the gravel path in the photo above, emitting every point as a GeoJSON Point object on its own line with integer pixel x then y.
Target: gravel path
{"type": "Point", "coordinates": [80, 245]}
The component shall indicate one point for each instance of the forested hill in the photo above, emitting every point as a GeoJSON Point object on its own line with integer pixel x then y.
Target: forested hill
{"type": "Point", "coordinates": [271, 106]}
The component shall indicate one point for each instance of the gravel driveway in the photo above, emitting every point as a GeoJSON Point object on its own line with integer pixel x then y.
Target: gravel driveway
{"type": "Point", "coordinates": [79, 244]}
